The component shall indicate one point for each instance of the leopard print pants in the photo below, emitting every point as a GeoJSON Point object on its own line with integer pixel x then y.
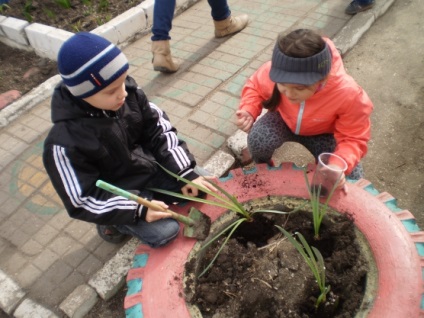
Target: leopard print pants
{"type": "Point", "coordinates": [270, 132]}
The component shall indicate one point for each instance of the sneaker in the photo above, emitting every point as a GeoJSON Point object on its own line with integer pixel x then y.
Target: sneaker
{"type": "Point", "coordinates": [354, 7]}
{"type": "Point", "coordinates": [110, 234]}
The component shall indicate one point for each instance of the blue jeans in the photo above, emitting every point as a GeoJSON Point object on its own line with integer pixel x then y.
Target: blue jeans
{"type": "Point", "coordinates": [270, 132]}
{"type": "Point", "coordinates": [158, 233]}
{"type": "Point", "coordinates": [163, 13]}
{"type": "Point", "coordinates": [155, 234]}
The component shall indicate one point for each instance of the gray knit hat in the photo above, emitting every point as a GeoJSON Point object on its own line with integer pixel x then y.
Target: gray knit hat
{"type": "Point", "coordinates": [300, 70]}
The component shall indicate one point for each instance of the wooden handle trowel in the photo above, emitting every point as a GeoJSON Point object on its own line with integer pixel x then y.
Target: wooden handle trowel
{"type": "Point", "coordinates": [197, 224]}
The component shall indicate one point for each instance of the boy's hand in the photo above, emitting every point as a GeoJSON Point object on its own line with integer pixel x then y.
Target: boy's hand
{"type": "Point", "coordinates": [244, 120]}
{"type": "Point", "coordinates": [154, 215]}
{"type": "Point", "coordinates": [192, 191]}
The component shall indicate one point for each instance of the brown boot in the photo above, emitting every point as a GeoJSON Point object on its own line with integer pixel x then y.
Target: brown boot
{"type": "Point", "coordinates": [162, 59]}
{"type": "Point", "coordinates": [230, 25]}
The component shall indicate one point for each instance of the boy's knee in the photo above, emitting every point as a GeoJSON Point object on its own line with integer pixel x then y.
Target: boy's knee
{"type": "Point", "coordinates": [168, 233]}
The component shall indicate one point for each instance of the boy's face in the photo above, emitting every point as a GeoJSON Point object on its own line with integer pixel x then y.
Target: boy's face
{"type": "Point", "coordinates": [112, 97]}
{"type": "Point", "coordinates": [297, 93]}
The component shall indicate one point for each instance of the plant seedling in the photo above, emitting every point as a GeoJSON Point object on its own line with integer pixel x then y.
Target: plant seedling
{"type": "Point", "coordinates": [314, 260]}
{"type": "Point", "coordinates": [66, 4]}
{"type": "Point", "coordinates": [3, 7]}
{"type": "Point", "coordinates": [319, 210]}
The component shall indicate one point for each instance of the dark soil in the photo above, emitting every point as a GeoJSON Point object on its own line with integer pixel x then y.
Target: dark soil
{"type": "Point", "coordinates": [114, 308]}
{"type": "Point", "coordinates": [23, 71]}
{"type": "Point", "coordinates": [84, 15]}
{"type": "Point", "coordinates": [260, 274]}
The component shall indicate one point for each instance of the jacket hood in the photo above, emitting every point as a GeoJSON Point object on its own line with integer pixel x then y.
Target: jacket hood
{"type": "Point", "coordinates": [65, 106]}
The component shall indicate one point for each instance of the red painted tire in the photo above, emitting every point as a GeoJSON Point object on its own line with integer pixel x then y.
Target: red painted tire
{"type": "Point", "coordinates": [155, 287]}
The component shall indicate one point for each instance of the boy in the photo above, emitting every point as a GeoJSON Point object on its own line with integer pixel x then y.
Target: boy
{"type": "Point", "coordinates": [105, 128]}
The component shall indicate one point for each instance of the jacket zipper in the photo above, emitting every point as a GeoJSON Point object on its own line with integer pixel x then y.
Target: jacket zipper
{"type": "Point", "coordinates": [299, 117]}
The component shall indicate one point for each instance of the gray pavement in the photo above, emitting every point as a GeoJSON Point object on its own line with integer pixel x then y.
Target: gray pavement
{"type": "Point", "coordinates": [48, 259]}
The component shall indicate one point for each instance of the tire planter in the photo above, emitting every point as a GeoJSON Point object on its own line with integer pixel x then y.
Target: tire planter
{"type": "Point", "coordinates": [155, 281]}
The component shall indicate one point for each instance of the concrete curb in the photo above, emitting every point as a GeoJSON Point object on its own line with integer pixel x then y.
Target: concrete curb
{"type": "Point", "coordinates": [350, 34]}
{"type": "Point", "coordinates": [84, 297]}
{"type": "Point", "coordinates": [11, 294]}
{"type": "Point", "coordinates": [29, 100]}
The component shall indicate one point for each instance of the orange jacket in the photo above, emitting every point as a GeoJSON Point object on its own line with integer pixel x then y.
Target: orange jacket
{"type": "Point", "coordinates": [341, 107]}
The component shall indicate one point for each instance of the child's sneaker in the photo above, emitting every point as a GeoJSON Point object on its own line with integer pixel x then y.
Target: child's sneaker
{"type": "Point", "coordinates": [110, 234]}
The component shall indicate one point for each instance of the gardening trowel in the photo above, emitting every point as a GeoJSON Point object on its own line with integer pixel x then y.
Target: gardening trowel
{"type": "Point", "coordinates": [197, 224]}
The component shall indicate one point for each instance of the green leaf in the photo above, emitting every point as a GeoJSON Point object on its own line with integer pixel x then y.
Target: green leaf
{"type": "Point", "coordinates": [235, 226]}
{"type": "Point", "coordinates": [228, 202]}
{"type": "Point", "coordinates": [219, 234]}
{"type": "Point", "coordinates": [313, 258]}
{"type": "Point", "coordinates": [190, 198]}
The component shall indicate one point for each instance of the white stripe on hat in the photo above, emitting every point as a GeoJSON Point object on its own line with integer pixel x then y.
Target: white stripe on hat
{"type": "Point", "coordinates": [113, 66]}
{"type": "Point", "coordinates": [89, 63]}
{"type": "Point", "coordinates": [81, 88]}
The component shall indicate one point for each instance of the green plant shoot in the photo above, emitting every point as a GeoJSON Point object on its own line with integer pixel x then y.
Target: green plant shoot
{"type": "Point", "coordinates": [319, 210]}
{"type": "Point", "coordinates": [3, 7]}
{"type": "Point", "coordinates": [103, 5]}
{"type": "Point", "coordinates": [224, 200]}
{"type": "Point", "coordinates": [315, 261]}
{"type": "Point", "coordinates": [28, 7]}
{"type": "Point", "coordinates": [66, 4]}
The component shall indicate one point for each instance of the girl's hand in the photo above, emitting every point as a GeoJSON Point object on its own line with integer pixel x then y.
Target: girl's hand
{"type": "Point", "coordinates": [244, 120]}
{"type": "Point", "coordinates": [342, 181]}
{"type": "Point", "coordinates": [192, 191]}
{"type": "Point", "coordinates": [154, 215]}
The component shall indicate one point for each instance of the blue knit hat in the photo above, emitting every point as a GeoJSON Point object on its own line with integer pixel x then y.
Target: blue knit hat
{"type": "Point", "coordinates": [88, 63]}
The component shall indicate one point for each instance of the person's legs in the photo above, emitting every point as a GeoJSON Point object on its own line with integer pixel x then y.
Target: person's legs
{"type": "Point", "coordinates": [267, 134]}
{"type": "Point", "coordinates": [317, 144]}
{"type": "Point", "coordinates": [155, 234]}
{"type": "Point", "coordinates": [225, 24]}
{"type": "Point", "coordinates": [219, 9]}
{"type": "Point", "coordinates": [163, 13]}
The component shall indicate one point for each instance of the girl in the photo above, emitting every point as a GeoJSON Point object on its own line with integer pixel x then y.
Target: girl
{"type": "Point", "coordinates": [310, 100]}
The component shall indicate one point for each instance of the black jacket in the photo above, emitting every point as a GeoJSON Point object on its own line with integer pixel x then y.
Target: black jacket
{"type": "Point", "coordinates": [86, 144]}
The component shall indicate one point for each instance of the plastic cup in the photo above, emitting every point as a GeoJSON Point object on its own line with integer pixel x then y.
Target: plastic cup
{"type": "Point", "coordinates": [330, 169]}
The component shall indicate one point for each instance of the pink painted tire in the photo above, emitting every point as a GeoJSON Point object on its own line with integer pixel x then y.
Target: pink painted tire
{"type": "Point", "coordinates": [155, 281]}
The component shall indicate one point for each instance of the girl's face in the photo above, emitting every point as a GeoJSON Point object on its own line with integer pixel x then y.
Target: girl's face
{"type": "Point", "coordinates": [112, 97]}
{"type": "Point", "coordinates": [297, 93]}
